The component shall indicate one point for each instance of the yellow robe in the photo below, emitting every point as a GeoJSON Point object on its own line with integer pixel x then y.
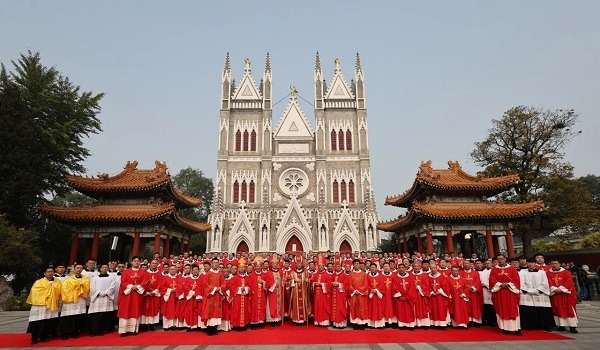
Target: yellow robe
{"type": "Point", "coordinates": [73, 288]}
{"type": "Point", "coordinates": [45, 293]}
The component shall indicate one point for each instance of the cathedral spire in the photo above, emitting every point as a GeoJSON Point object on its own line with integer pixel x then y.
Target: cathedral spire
{"type": "Point", "coordinates": [318, 63]}
{"type": "Point", "coordinates": [357, 66]}
{"type": "Point", "coordinates": [268, 63]}
{"type": "Point", "coordinates": [319, 83]}
{"type": "Point", "coordinates": [267, 83]}
{"type": "Point", "coordinates": [226, 84]}
{"type": "Point", "coordinates": [227, 68]}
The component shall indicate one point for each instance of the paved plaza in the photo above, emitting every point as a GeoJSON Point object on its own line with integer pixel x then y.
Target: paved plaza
{"type": "Point", "coordinates": [589, 331]}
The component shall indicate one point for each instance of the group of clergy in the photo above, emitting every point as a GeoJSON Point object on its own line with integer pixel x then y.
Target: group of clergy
{"type": "Point", "coordinates": [209, 296]}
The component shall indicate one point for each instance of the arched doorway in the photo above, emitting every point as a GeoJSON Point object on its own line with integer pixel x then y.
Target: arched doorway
{"type": "Point", "coordinates": [242, 247]}
{"type": "Point", "coordinates": [294, 245]}
{"type": "Point", "coordinates": [345, 247]}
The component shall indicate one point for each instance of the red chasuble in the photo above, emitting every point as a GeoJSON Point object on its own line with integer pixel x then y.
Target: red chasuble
{"type": "Point", "coordinates": [170, 289]}
{"type": "Point", "coordinates": [459, 301]}
{"type": "Point", "coordinates": [563, 304]}
{"type": "Point", "coordinates": [275, 288]}
{"type": "Point", "coordinates": [152, 295]}
{"type": "Point", "coordinates": [131, 301]}
{"type": "Point", "coordinates": [389, 310]}
{"type": "Point", "coordinates": [214, 289]}
{"type": "Point", "coordinates": [321, 299]}
{"type": "Point", "coordinates": [239, 312]}
{"type": "Point", "coordinates": [505, 300]}
{"type": "Point", "coordinates": [404, 294]}
{"type": "Point", "coordinates": [190, 287]}
{"type": "Point", "coordinates": [439, 299]}
{"type": "Point", "coordinates": [339, 299]}
{"type": "Point", "coordinates": [422, 291]}
{"type": "Point", "coordinates": [473, 279]}
{"type": "Point", "coordinates": [299, 297]}
{"type": "Point", "coordinates": [375, 299]}
{"type": "Point", "coordinates": [359, 290]}
{"type": "Point", "coordinates": [258, 297]}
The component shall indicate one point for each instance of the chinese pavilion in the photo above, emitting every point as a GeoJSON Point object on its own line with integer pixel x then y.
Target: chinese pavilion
{"type": "Point", "coordinates": [136, 205]}
{"type": "Point", "coordinates": [449, 211]}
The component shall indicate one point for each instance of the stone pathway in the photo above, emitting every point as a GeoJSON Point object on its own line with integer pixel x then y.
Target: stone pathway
{"type": "Point", "coordinates": [589, 328]}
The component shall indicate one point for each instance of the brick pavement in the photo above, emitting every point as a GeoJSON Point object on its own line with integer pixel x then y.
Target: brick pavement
{"type": "Point", "coordinates": [589, 328]}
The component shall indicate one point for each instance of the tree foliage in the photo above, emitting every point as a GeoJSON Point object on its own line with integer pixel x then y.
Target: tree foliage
{"type": "Point", "coordinates": [543, 246]}
{"type": "Point", "coordinates": [18, 254]}
{"type": "Point", "coordinates": [592, 183]}
{"type": "Point", "coordinates": [528, 141]}
{"type": "Point", "coordinates": [389, 245]}
{"type": "Point", "coordinates": [590, 241]}
{"type": "Point", "coordinates": [193, 183]}
{"type": "Point", "coordinates": [44, 119]}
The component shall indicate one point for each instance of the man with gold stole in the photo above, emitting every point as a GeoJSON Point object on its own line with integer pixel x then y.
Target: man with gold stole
{"type": "Point", "coordinates": [476, 293]}
{"type": "Point", "coordinates": [358, 289]}
{"type": "Point", "coordinates": [131, 297]}
{"type": "Point", "coordinates": [43, 298]}
{"type": "Point", "coordinates": [563, 297]}
{"type": "Point", "coordinates": [299, 284]}
{"type": "Point", "coordinates": [74, 294]}
{"type": "Point", "coordinates": [214, 290]}
{"type": "Point", "coordinates": [190, 287]}
{"type": "Point", "coordinates": [375, 299]}
{"type": "Point", "coordinates": [239, 310]}
{"type": "Point", "coordinates": [439, 298]}
{"type": "Point", "coordinates": [423, 290]}
{"type": "Point", "coordinates": [258, 296]}
{"type": "Point", "coordinates": [388, 305]}
{"type": "Point", "coordinates": [460, 293]}
{"type": "Point", "coordinates": [339, 297]}
{"type": "Point", "coordinates": [151, 311]}
{"type": "Point", "coordinates": [275, 288]}
{"type": "Point", "coordinates": [320, 292]}
{"type": "Point", "coordinates": [404, 293]}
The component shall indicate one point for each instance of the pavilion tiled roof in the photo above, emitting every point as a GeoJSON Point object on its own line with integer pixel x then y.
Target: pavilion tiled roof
{"type": "Point", "coordinates": [122, 213]}
{"type": "Point", "coordinates": [469, 212]}
{"type": "Point", "coordinates": [453, 179]}
{"type": "Point", "coordinates": [131, 181]}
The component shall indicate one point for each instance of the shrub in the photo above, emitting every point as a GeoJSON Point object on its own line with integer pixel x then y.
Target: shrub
{"type": "Point", "coordinates": [590, 241]}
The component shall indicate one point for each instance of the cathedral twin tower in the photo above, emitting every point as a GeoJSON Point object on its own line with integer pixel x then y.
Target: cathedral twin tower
{"type": "Point", "coordinates": [293, 187]}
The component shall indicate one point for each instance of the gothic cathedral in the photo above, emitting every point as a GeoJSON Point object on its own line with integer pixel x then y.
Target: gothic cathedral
{"type": "Point", "coordinates": [292, 187]}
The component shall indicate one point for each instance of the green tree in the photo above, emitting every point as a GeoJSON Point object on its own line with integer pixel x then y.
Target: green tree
{"type": "Point", "coordinates": [193, 183]}
{"type": "Point", "coordinates": [590, 241]}
{"type": "Point", "coordinates": [44, 119]}
{"type": "Point", "coordinates": [389, 245]}
{"type": "Point", "coordinates": [592, 182]}
{"type": "Point", "coordinates": [528, 141]}
{"type": "Point", "coordinates": [18, 255]}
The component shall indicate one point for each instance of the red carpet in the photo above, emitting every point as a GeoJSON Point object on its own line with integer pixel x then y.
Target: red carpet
{"type": "Point", "coordinates": [287, 334]}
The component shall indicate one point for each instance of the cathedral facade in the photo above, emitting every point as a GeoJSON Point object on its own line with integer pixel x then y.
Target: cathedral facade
{"type": "Point", "coordinates": [292, 186]}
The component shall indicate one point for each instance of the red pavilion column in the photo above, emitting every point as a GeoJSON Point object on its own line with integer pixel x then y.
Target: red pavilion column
{"type": "Point", "coordinates": [74, 248]}
{"type": "Point", "coordinates": [449, 242]}
{"type": "Point", "coordinates": [490, 243]}
{"type": "Point", "coordinates": [429, 242]}
{"type": "Point", "coordinates": [95, 245]}
{"type": "Point", "coordinates": [496, 246]}
{"type": "Point", "coordinates": [167, 246]}
{"type": "Point", "coordinates": [136, 244]}
{"type": "Point", "coordinates": [157, 239]}
{"type": "Point", "coordinates": [419, 244]}
{"type": "Point", "coordinates": [509, 244]}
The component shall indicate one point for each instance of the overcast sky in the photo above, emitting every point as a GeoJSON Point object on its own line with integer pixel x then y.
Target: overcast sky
{"type": "Point", "coordinates": [436, 72]}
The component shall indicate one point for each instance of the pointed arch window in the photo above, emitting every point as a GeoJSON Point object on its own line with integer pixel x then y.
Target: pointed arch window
{"type": "Point", "coordinates": [348, 140]}
{"type": "Point", "coordinates": [251, 191]}
{"type": "Point", "coordinates": [253, 140]}
{"type": "Point", "coordinates": [336, 195]}
{"type": "Point", "coordinates": [341, 140]}
{"type": "Point", "coordinates": [246, 139]}
{"type": "Point", "coordinates": [238, 140]}
{"type": "Point", "coordinates": [244, 191]}
{"type": "Point", "coordinates": [343, 190]}
{"type": "Point", "coordinates": [236, 192]}
{"type": "Point", "coordinates": [333, 140]}
{"type": "Point", "coordinates": [351, 192]}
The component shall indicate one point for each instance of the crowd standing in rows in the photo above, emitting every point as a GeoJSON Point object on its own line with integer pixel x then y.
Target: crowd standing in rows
{"type": "Point", "coordinates": [223, 292]}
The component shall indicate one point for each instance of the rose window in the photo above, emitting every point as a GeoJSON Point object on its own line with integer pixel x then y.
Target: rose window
{"type": "Point", "coordinates": [293, 181]}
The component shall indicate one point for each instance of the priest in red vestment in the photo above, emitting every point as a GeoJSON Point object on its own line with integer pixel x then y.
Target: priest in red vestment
{"type": "Point", "coordinates": [563, 297]}
{"type": "Point", "coordinates": [275, 290]}
{"type": "Point", "coordinates": [191, 288]}
{"type": "Point", "coordinates": [439, 298]}
{"type": "Point", "coordinates": [214, 289]}
{"type": "Point", "coordinates": [299, 286]}
{"type": "Point", "coordinates": [505, 285]}
{"type": "Point", "coordinates": [151, 311]}
{"type": "Point", "coordinates": [388, 305]}
{"type": "Point", "coordinates": [460, 292]}
{"type": "Point", "coordinates": [170, 289]}
{"type": "Point", "coordinates": [321, 299]}
{"type": "Point", "coordinates": [359, 291]}
{"type": "Point", "coordinates": [339, 297]}
{"type": "Point", "coordinates": [375, 301]}
{"type": "Point", "coordinates": [476, 288]}
{"type": "Point", "coordinates": [225, 305]}
{"type": "Point", "coordinates": [423, 291]}
{"type": "Point", "coordinates": [404, 293]}
{"type": "Point", "coordinates": [131, 297]}
{"type": "Point", "coordinates": [258, 296]}
{"type": "Point", "coordinates": [239, 312]}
